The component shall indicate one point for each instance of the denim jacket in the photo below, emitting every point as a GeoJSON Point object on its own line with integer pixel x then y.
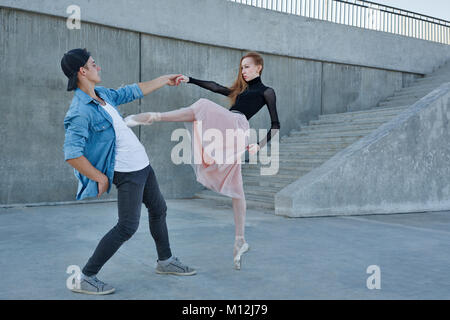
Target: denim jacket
{"type": "Point", "coordinates": [90, 133]}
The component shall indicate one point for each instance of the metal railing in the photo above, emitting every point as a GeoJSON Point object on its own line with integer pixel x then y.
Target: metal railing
{"type": "Point", "coordinates": [363, 14]}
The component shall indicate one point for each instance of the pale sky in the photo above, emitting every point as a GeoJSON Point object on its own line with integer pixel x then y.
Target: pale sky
{"type": "Point", "coordinates": [435, 8]}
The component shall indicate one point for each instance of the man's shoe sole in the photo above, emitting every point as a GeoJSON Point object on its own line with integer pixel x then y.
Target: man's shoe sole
{"type": "Point", "coordinates": [177, 273]}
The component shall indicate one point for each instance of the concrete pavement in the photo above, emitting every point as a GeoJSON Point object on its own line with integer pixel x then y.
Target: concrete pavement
{"type": "Point", "coordinates": [290, 258]}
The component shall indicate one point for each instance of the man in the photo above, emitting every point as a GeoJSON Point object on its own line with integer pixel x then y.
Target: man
{"type": "Point", "coordinates": [102, 149]}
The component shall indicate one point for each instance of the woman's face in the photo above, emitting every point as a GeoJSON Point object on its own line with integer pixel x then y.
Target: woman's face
{"type": "Point", "coordinates": [249, 69]}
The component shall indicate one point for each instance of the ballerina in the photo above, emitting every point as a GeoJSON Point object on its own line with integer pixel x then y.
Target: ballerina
{"type": "Point", "coordinates": [247, 96]}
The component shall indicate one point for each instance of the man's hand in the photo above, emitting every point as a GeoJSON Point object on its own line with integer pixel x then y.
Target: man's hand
{"type": "Point", "coordinates": [102, 185]}
{"type": "Point", "coordinates": [181, 78]}
{"type": "Point", "coordinates": [83, 165]}
{"type": "Point", "coordinates": [152, 85]}
{"type": "Point", "coordinates": [171, 79]}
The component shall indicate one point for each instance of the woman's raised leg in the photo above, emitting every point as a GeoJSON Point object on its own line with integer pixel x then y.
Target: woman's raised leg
{"type": "Point", "coordinates": [145, 118]}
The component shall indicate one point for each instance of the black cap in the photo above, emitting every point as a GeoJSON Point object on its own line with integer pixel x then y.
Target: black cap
{"type": "Point", "coordinates": [71, 63]}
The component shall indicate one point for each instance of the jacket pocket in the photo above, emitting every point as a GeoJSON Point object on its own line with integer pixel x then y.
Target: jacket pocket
{"type": "Point", "coordinates": [102, 131]}
{"type": "Point", "coordinates": [100, 126]}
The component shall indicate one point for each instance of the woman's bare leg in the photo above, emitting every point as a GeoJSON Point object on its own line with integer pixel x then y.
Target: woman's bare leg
{"type": "Point", "coordinates": [183, 114]}
{"type": "Point", "coordinates": [239, 208]}
{"type": "Point", "coordinates": [240, 245]}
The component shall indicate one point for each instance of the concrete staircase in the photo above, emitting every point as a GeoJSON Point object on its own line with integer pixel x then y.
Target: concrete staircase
{"type": "Point", "coordinates": [304, 149]}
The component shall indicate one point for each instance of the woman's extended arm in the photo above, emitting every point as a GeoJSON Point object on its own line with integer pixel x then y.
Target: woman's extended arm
{"type": "Point", "coordinates": [270, 98]}
{"type": "Point", "coordinates": [209, 85]}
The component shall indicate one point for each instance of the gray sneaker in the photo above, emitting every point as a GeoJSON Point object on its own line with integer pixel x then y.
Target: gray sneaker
{"type": "Point", "coordinates": [176, 267]}
{"type": "Point", "coordinates": [91, 285]}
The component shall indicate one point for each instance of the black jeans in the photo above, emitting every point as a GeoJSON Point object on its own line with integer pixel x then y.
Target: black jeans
{"type": "Point", "coordinates": [133, 189]}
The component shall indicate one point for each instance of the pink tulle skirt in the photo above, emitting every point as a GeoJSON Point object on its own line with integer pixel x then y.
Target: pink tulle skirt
{"type": "Point", "coordinates": [219, 139]}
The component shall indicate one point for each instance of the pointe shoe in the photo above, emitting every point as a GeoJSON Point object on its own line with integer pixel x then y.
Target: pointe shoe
{"type": "Point", "coordinates": [240, 247]}
{"type": "Point", "coordinates": [145, 118]}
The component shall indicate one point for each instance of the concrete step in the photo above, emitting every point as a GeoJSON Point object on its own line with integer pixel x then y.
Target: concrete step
{"type": "Point", "coordinates": [293, 154]}
{"type": "Point", "coordinates": [262, 191]}
{"type": "Point", "coordinates": [303, 146]}
{"type": "Point", "coordinates": [251, 200]}
{"type": "Point", "coordinates": [414, 96]}
{"type": "Point", "coordinates": [262, 181]}
{"type": "Point", "coordinates": [268, 184]}
{"type": "Point", "coordinates": [300, 165]}
{"type": "Point", "coordinates": [399, 101]}
{"type": "Point", "coordinates": [280, 175]}
{"type": "Point", "coordinates": [252, 177]}
{"type": "Point", "coordinates": [335, 128]}
{"type": "Point", "coordinates": [288, 156]}
{"type": "Point", "coordinates": [284, 172]}
{"type": "Point", "coordinates": [422, 86]}
{"type": "Point", "coordinates": [284, 163]}
{"type": "Point", "coordinates": [291, 162]}
{"type": "Point", "coordinates": [408, 102]}
{"type": "Point", "coordinates": [365, 114]}
{"type": "Point", "coordinates": [336, 132]}
{"type": "Point", "coordinates": [312, 139]}
{"type": "Point", "coordinates": [442, 71]}
{"type": "Point", "coordinates": [289, 150]}
{"type": "Point", "coordinates": [437, 77]}
{"type": "Point", "coordinates": [418, 94]}
{"type": "Point", "coordinates": [350, 132]}
{"type": "Point", "coordinates": [360, 121]}
{"type": "Point", "coordinates": [285, 154]}
{"type": "Point", "coordinates": [294, 157]}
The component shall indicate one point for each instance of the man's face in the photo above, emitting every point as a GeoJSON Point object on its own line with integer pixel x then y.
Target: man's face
{"type": "Point", "coordinates": [91, 71]}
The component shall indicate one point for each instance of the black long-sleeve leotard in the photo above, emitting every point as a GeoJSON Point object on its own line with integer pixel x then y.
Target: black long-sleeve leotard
{"type": "Point", "coordinates": [249, 102]}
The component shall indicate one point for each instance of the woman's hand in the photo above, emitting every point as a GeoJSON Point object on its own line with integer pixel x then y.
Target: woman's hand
{"type": "Point", "coordinates": [181, 78]}
{"type": "Point", "coordinates": [253, 148]}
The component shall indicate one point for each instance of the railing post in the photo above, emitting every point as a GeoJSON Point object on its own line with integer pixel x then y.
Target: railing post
{"type": "Point", "coordinates": [421, 30]}
{"type": "Point", "coordinates": [397, 24]}
{"type": "Point", "coordinates": [448, 35]}
{"type": "Point", "coordinates": [314, 9]}
{"type": "Point", "coordinates": [392, 23]}
{"type": "Point", "coordinates": [415, 27]}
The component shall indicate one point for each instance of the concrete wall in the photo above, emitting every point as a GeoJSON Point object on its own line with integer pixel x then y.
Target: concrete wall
{"type": "Point", "coordinates": [33, 99]}
{"type": "Point", "coordinates": [401, 167]}
{"type": "Point", "coordinates": [238, 26]}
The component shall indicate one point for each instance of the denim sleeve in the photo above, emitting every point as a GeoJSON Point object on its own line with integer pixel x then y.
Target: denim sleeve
{"type": "Point", "coordinates": [77, 132]}
{"type": "Point", "coordinates": [125, 94]}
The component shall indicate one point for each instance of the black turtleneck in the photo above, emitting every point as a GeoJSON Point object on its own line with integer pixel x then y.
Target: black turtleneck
{"type": "Point", "coordinates": [250, 101]}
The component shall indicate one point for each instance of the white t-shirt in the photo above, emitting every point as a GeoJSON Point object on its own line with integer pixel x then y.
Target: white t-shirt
{"type": "Point", "coordinates": [130, 153]}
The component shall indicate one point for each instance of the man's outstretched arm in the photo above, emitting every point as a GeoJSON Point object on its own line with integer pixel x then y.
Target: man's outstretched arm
{"type": "Point", "coordinates": [135, 91]}
{"type": "Point", "coordinates": [152, 85]}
